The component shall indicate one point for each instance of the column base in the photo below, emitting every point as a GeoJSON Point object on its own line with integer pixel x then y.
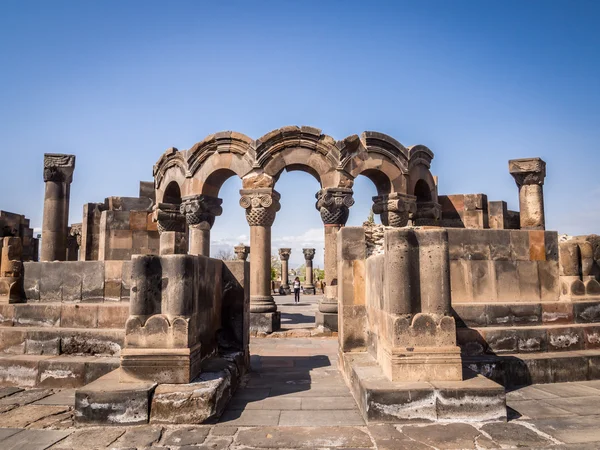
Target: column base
{"type": "Point", "coordinates": [265, 322]}
{"type": "Point", "coordinates": [327, 320]}
{"type": "Point", "coordinates": [309, 290]}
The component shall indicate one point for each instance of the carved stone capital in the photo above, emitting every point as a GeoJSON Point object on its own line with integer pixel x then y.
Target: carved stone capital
{"type": "Point", "coordinates": [261, 206]}
{"type": "Point", "coordinates": [168, 217]}
{"type": "Point", "coordinates": [58, 167]}
{"type": "Point", "coordinates": [334, 204]}
{"type": "Point", "coordinates": [395, 209]}
{"type": "Point", "coordinates": [527, 171]}
{"type": "Point", "coordinates": [201, 210]}
{"type": "Point", "coordinates": [241, 252]}
{"type": "Point", "coordinates": [284, 254]}
{"type": "Point", "coordinates": [309, 253]}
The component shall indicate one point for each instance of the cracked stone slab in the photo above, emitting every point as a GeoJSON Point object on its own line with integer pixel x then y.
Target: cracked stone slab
{"type": "Point", "coordinates": [33, 439]}
{"type": "Point", "coordinates": [387, 437]}
{"type": "Point", "coordinates": [26, 397]}
{"type": "Point", "coordinates": [303, 437]}
{"type": "Point", "coordinates": [185, 436]}
{"type": "Point", "coordinates": [28, 414]}
{"type": "Point", "coordinates": [449, 436]}
{"type": "Point", "coordinates": [91, 438]}
{"type": "Point", "coordinates": [516, 434]}
{"type": "Point", "coordinates": [143, 436]}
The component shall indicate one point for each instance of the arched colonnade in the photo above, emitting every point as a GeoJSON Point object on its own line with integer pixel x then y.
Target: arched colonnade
{"type": "Point", "coordinates": [187, 186]}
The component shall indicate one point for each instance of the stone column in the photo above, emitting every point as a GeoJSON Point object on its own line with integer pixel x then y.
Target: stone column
{"type": "Point", "coordinates": [333, 205]}
{"type": "Point", "coordinates": [241, 252]}
{"type": "Point", "coordinates": [171, 228]}
{"type": "Point", "coordinates": [11, 270]}
{"type": "Point", "coordinates": [284, 256]}
{"type": "Point", "coordinates": [395, 209]}
{"type": "Point", "coordinates": [200, 212]}
{"type": "Point", "coordinates": [58, 174]}
{"type": "Point", "coordinates": [529, 174]}
{"type": "Point", "coordinates": [309, 286]}
{"type": "Point", "coordinates": [261, 206]}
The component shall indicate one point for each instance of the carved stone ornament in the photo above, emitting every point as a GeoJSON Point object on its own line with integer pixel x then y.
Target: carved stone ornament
{"type": "Point", "coordinates": [428, 214]}
{"type": "Point", "coordinates": [334, 204]}
{"type": "Point", "coordinates": [168, 217]}
{"type": "Point", "coordinates": [201, 210]}
{"type": "Point", "coordinates": [395, 209]}
{"type": "Point", "coordinates": [58, 168]}
{"type": "Point", "coordinates": [261, 206]}
{"type": "Point", "coordinates": [309, 253]}
{"type": "Point", "coordinates": [75, 233]}
{"type": "Point", "coordinates": [284, 253]}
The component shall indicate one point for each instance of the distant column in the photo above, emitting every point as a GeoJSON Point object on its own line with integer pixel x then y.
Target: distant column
{"type": "Point", "coordinates": [284, 256]}
{"type": "Point", "coordinates": [241, 252]}
{"type": "Point", "coordinates": [58, 175]}
{"type": "Point", "coordinates": [200, 212]}
{"type": "Point", "coordinates": [74, 242]}
{"type": "Point", "coordinates": [309, 286]}
{"type": "Point", "coordinates": [529, 174]}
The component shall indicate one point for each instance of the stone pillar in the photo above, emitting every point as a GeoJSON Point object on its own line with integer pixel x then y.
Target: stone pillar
{"type": "Point", "coordinates": [309, 286]}
{"type": "Point", "coordinates": [58, 174]}
{"type": "Point", "coordinates": [241, 252]}
{"type": "Point", "coordinates": [171, 228]}
{"type": "Point", "coordinates": [200, 212]}
{"type": "Point", "coordinates": [284, 256]}
{"type": "Point", "coordinates": [333, 205]}
{"type": "Point", "coordinates": [74, 242]}
{"type": "Point", "coordinates": [395, 209]}
{"type": "Point", "coordinates": [261, 206]}
{"type": "Point", "coordinates": [529, 174]}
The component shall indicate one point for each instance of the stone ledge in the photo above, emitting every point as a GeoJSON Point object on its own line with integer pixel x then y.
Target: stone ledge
{"type": "Point", "coordinates": [382, 401]}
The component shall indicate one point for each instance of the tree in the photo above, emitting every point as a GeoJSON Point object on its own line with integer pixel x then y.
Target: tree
{"type": "Point", "coordinates": [371, 218]}
{"type": "Point", "coordinates": [225, 255]}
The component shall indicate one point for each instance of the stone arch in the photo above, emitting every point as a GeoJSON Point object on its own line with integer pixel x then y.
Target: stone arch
{"type": "Point", "coordinates": [377, 156]}
{"type": "Point", "coordinates": [172, 193]}
{"type": "Point", "coordinates": [419, 175]}
{"type": "Point", "coordinates": [171, 167]}
{"type": "Point", "coordinates": [298, 148]}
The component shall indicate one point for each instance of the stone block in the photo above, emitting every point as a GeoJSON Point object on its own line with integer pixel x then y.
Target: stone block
{"type": "Point", "coordinates": [531, 340]}
{"type": "Point", "coordinates": [499, 314]}
{"type": "Point", "coordinates": [497, 212]}
{"type": "Point", "coordinates": [108, 402]}
{"type": "Point", "coordinates": [537, 245]}
{"type": "Point", "coordinates": [12, 340]}
{"type": "Point", "coordinates": [568, 368]}
{"type": "Point", "coordinates": [502, 341]}
{"type": "Point", "coordinates": [42, 342]}
{"type": "Point", "coordinates": [460, 281]}
{"type": "Point", "coordinates": [586, 312]}
{"type": "Point", "coordinates": [126, 279]}
{"type": "Point", "coordinates": [526, 314]}
{"type": "Point", "coordinates": [265, 322]}
{"type": "Point", "coordinates": [7, 315]}
{"type": "Point", "coordinates": [351, 243]}
{"type": "Point", "coordinates": [484, 281]}
{"type": "Point", "coordinates": [92, 281]}
{"type": "Point", "coordinates": [79, 315]}
{"type": "Point", "coordinates": [92, 342]}
{"type": "Point", "coordinates": [51, 281]}
{"type": "Point", "coordinates": [456, 241]}
{"type": "Point", "coordinates": [37, 315]}
{"type": "Point", "coordinates": [529, 282]}
{"type": "Point", "coordinates": [565, 338]}
{"type": "Point", "coordinates": [61, 373]}
{"type": "Point", "coordinates": [352, 336]}
{"type": "Point", "coordinates": [471, 341]}
{"type": "Point", "coordinates": [592, 288]}
{"type": "Point", "coordinates": [138, 220]}
{"type": "Point", "coordinates": [160, 365]}
{"type": "Point", "coordinates": [474, 219]}
{"type": "Point", "coordinates": [112, 280]}
{"type": "Point", "coordinates": [551, 242]}
{"type": "Point", "coordinates": [507, 281]}
{"type": "Point", "coordinates": [549, 281]}
{"type": "Point", "coordinates": [476, 245]}
{"type": "Point", "coordinates": [470, 315]}
{"type": "Point", "coordinates": [32, 272]}
{"type": "Point", "coordinates": [19, 371]}
{"type": "Point", "coordinates": [500, 246]}
{"type": "Point", "coordinates": [327, 320]}
{"type": "Point", "coordinates": [120, 240]}
{"type": "Point", "coordinates": [557, 313]}
{"type": "Point", "coordinates": [591, 335]}
{"type": "Point", "coordinates": [113, 315]}
{"type": "Point", "coordinates": [519, 244]}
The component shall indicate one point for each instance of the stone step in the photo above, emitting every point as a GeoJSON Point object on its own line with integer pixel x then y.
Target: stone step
{"type": "Point", "coordinates": [529, 339]}
{"type": "Point", "coordinates": [56, 341]}
{"type": "Point", "coordinates": [64, 371]}
{"type": "Point", "coordinates": [513, 370]}
{"type": "Point", "coordinates": [68, 315]}
{"type": "Point", "coordinates": [523, 314]}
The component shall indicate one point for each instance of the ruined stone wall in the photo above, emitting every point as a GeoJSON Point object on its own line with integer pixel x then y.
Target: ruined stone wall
{"type": "Point", "coordinates": [476, 212]}
{"type": "Point", "coordinates": [77, 281]}
{"type": "Point", "coordinates": [503, 265]}
{"type": "Point", "coordinates": [127, 233]}
{"type": "Point", "coordinates": [17, 225]}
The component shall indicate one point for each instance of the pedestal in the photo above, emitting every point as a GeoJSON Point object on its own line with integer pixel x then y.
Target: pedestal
{"type": "Point", "coordinates": [327, 320]}
{"type": "Point", "coordinates": [265, 322]}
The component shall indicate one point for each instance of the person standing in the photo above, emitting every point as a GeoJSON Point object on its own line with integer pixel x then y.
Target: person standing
{"type": "Point", "coordinates": [297, 290]}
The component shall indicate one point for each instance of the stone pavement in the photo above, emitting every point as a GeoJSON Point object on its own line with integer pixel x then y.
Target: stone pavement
{"type": "Point", "coordinates": [297, 315]}
{"type": "Point", "coordinates": [295, 398]}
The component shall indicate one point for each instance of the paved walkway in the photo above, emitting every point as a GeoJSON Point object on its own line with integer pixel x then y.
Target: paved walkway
{"type": "Point", "coordinates": [297, 315]}
{"type": "Point", "coordinates": [295, 398]}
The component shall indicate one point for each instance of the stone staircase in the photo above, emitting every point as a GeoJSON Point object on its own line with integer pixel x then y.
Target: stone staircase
{"type": "Point", "coordinates": [64, 345]}
{"type": "Point", "coordinates": [517, 344]}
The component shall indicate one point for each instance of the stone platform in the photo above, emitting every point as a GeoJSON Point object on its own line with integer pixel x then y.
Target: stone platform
{"type": "Point", "coordinates": [475, 399]}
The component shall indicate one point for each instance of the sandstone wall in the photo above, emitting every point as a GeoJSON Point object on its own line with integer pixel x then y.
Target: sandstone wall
{"type": "Point", "coordinates": [127, 233]}
{"type": "Point", "coordinates": [503, 265]}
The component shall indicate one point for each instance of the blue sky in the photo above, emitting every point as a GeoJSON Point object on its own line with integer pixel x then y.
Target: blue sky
{"type": "Point", "coordinates": [479, 82]}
